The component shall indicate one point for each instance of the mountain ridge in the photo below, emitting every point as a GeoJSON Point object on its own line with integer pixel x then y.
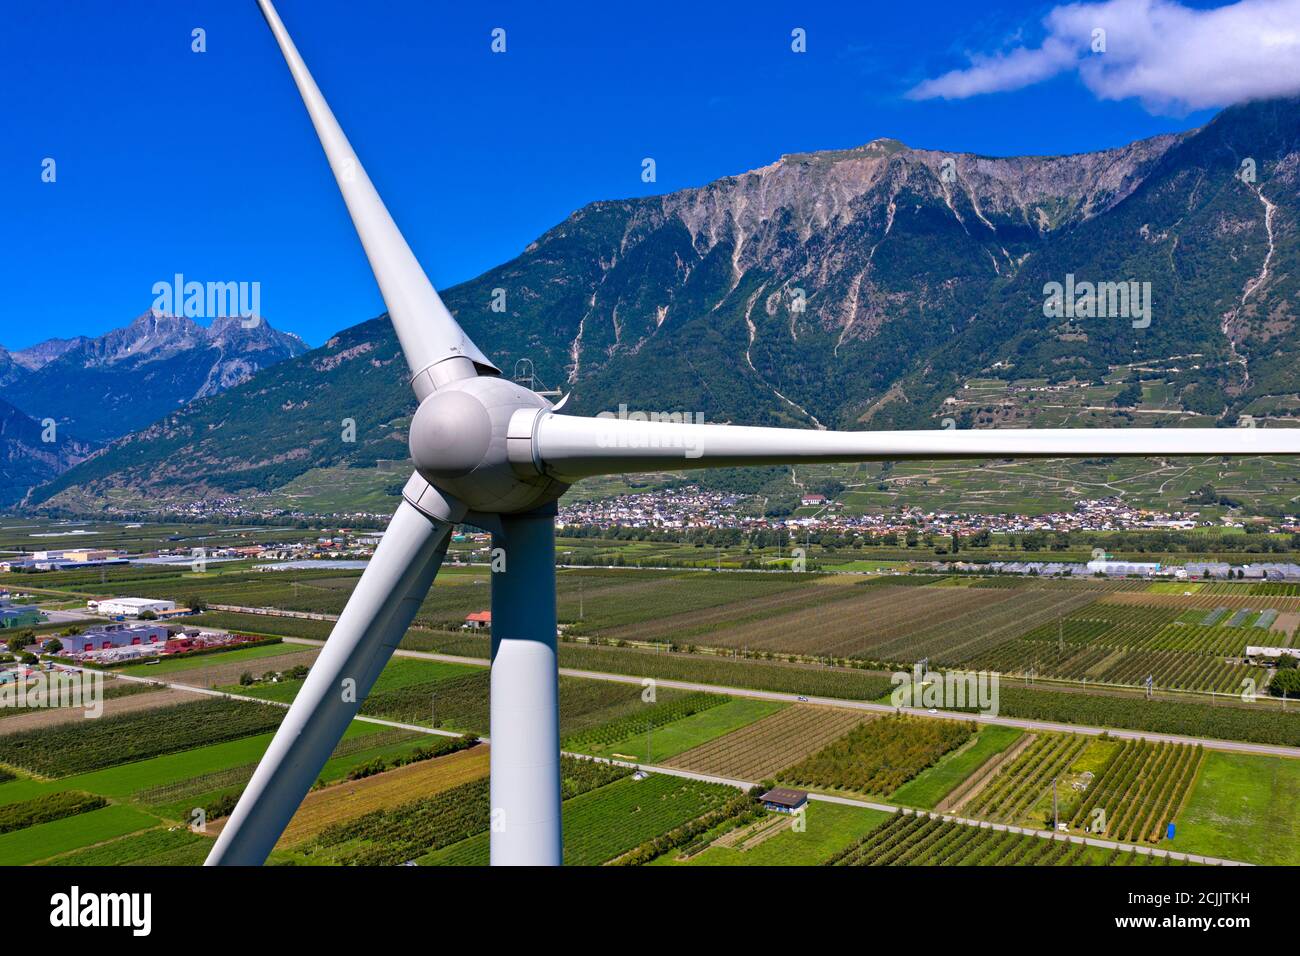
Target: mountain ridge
{"type": "Point", "coordinates": [826, 289]}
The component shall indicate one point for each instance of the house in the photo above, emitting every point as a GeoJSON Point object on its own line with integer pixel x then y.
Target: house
{"type": "Point", "coordinates": [785, 800]}
{"type": "Point", "coordinates": [478, 620]}
{"type": "Point", "coordinates": [812, 500]}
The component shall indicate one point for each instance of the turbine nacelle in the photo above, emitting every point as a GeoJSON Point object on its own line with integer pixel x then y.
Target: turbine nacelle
{"type": "Point", "coordinates": [473, 440]}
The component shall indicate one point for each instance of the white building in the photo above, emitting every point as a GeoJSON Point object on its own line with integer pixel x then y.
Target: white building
{"type": "Point", "coordinates": [129, 607]}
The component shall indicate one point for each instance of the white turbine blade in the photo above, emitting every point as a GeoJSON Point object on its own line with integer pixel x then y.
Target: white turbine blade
{"type": "Point", "coordinates": [427, 331]}
{"type": "Point", "coordinates": [569, 447]}
{"type": "Point", "coordinates": [369, 629]}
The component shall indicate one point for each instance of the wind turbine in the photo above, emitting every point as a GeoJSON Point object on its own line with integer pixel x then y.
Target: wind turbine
{"type": "Point", "coordinates": [493, 454]}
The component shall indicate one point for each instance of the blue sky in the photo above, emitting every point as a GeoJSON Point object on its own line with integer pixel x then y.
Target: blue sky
{"type": "Point", "coordinates": [205, 164]}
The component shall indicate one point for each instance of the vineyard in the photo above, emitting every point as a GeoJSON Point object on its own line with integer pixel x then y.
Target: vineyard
{"type": "Point", "coordinates": [879, 756]}
{"type": "Point", "coordinates": [922, 840]}
{"type": "Point", "coordinates": [1139, 791]}
{"type": "Point", "coordinates": [769, 745]}
{"type": "Point", "coordinates": [1016, 789]}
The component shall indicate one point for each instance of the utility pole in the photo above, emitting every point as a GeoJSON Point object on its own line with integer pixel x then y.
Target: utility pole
{"type": "Point", "coordinates": [649, 724]}
{"type": "Point", "coordinates": [433, 709]}
{"type": "Point", "coordinates": [1056, 815]}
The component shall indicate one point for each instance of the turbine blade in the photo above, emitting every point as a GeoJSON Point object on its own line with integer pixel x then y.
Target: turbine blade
{"type": "Point", "coordinates": [369, 629]}
{"type": "Point", "coordinates": [427, 331]}
{"type": "Point", "coordinates": [569, 447]}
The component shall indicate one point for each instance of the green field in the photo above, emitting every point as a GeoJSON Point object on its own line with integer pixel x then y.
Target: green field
{"type": "Point", "coordinates": [47, 839]}
{"type": "Point", "coordinates": [1244, 807]}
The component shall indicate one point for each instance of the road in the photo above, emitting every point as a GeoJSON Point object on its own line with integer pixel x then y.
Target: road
{"type": "Point", "coordinates": [1209, 743]}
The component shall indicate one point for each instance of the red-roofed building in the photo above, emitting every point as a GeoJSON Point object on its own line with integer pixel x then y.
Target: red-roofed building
{"type": "Point", "coordinates": [479, 619]}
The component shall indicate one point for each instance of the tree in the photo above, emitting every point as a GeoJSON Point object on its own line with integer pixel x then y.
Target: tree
{"type": "Point", "coordinates": [196, 604]}
{"type": "Point", "coordinates": [1287, 681]}
{"type": "Point", "coordinates": [53, 646]}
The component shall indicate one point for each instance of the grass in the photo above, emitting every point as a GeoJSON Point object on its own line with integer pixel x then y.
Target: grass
{"type": "Point", "coordinates": [830, 827]}
{"type": "Point", "coordinates": [48, 839]}
{"type": "Point", "coordinates": [932, 785]}
{"type": "Point", "coordinates": [681, 735]}
{"type": "Point", "coordinates": [1243, 807]}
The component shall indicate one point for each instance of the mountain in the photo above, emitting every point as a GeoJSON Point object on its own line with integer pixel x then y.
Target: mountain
{"type": "Point", "coordinates": [102, 388]}
{"type": "Point", "coordinates": [32, 452]}
{"type": "Point", "coordinates": [855, 287]}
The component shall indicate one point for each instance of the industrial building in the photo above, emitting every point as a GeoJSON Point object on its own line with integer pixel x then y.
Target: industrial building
{"type": "Point", "coordinates": [18, 615]}
{"type": "Point", "coordinates": [129, 606]}
{"type": "Point", "coordinates": [117, 635]}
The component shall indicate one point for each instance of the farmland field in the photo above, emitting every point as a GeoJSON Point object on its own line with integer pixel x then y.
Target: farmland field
{"type": "Point", "coordinates": [1015, 792]}
{"type": "Point", "coordinates": [829, 828]}
{"type": "Point", "coordinates": [1244, 807]}
{"type": "Point", "coordinates": [48, 839]}
{"type": "Point", "coordinates": [920, 840]}
{"type": "Point", "coordinates": [159, 847]}
{"type": "Point", "coordinates": [332, 806]}
{"type": "Point", "coordinates": [684, 729]}
{"type": "Point", "coordinates": [611, 820]}
{"type": "Point", "coordinates": [763, 748]}
{"type": "Point", "coordinates": [68, 749]}
{"type": "Point", "coordinates": [879, 756]}
{"type": "Point", "coordinates": [932, 785]}
{"type": "Point", "coordinates": [1138, 791]}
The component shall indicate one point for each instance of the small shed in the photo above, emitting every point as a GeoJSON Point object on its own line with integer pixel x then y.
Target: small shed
{"type": "Point", "coordinates": [478, 619]}
{"type": "Point", "coordinates": [785, 799]}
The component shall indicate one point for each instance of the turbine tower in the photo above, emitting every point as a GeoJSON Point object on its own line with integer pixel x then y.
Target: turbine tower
{"type": "Point", "coordinates": [493, 454]}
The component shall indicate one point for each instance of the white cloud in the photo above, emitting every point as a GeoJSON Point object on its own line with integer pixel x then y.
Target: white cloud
{"type": "Point", "coordinates": [1167, 55]}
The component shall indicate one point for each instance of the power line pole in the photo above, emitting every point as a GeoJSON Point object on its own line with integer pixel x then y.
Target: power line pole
{"type": "Point", "coordinates": [1056, 815]}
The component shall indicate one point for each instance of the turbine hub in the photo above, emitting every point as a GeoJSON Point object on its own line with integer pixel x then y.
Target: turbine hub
{"type": "Point", "coordinates": [473, 440]}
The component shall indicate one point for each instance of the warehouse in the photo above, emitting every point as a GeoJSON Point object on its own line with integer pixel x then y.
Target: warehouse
{"type": "Point", "coordinates": [130, 607]}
